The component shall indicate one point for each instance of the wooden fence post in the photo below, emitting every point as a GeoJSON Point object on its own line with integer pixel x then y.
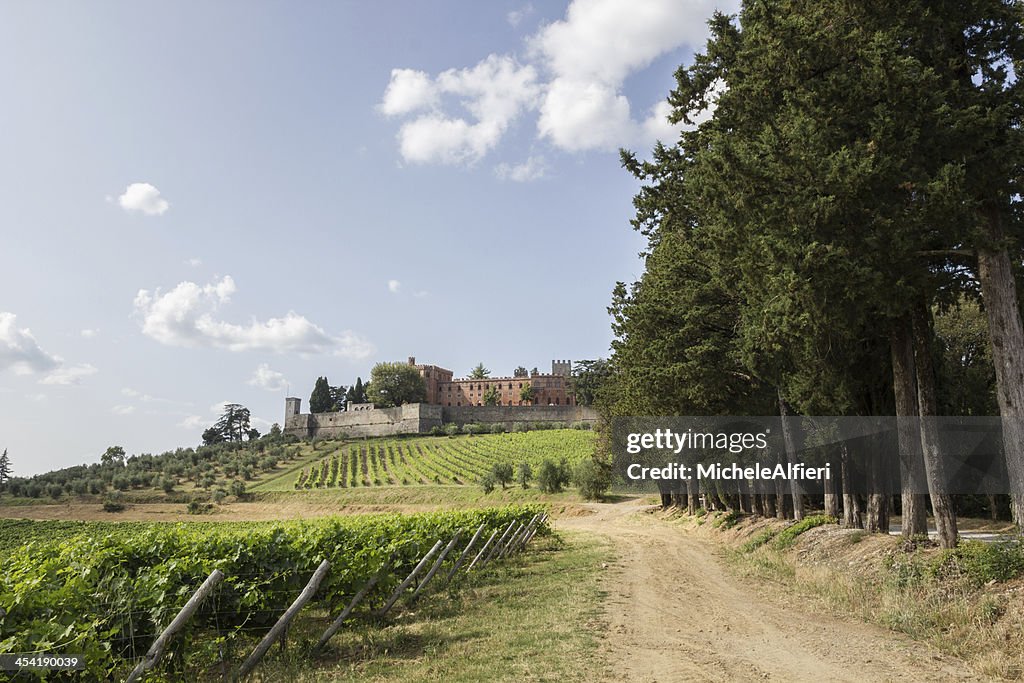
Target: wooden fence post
{"type": "Point", "coordinates": [437, 564]}
{"type": "Point", "coordinates": [156, 650]}
{"type": "Point", "coordinates": [482, 551]}
{"type": "Point", "coordinates": [462, 557]}
{"type": "Point", "coordinates": [405, 584]}
{"type": "Point", "coordinates": [279, 628]}
{"type": "Point", "coordinates": [497, 546]}
{"type": "Point", "coordinates": [517, 543]}
{"type": "Point", "coordinates": [333, 628]}
{"type": "Point", "coordinates": [511, 541]}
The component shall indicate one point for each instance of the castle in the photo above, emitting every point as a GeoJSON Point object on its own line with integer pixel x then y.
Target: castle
{"type": "Point", "coordinates": [450, 401]}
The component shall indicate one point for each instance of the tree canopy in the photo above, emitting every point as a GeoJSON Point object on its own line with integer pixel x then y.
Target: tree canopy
{"type": "Point", "coordinates": [394, 384]}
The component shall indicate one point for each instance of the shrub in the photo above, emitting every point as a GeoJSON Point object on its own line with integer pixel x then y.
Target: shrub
{"type": "Point", "coordinates": [237, 488]}
{"type": "Point", "coordinates": [552, 477]}
{"type": "Point", "coordinates": [591, 478]}
{"type": "Point", "coordinates": [437, 430]}
{"type": "Point", "coordinates": [113, 503]}
{"type": "Point", "coordinates": [497, 428]}
{"type": "Point", "coordinates": [519, 427]}
{"type": "Point", "coordinates": [167, 484]}
{"type": "Point", "coordinates": [196, 508]}
{"type": "Point", "coordinates": [524, 474]}
{"type": "Point", "coordinates": [219, 495]}
{"type": "Point", "coordinates": [451, 429]}
{"type": "Point", "coordinates": [980, 562]}
{"type": "Point", "coordinates": [55, 491]}
{"type": "Point", "coordinates": [787, 536]}
{"type": "Point", "coordinates": [502, 472]}
{"type": "Point", "coordinates": [758, 541]}
{"type": "Point", "coordinates": [487, 482]}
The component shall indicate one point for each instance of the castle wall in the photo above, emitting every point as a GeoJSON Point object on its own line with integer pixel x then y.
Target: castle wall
{"type": "Point", "coordinates": [412, 418]}
{"type": "Point", "coordinates": [508, 415]}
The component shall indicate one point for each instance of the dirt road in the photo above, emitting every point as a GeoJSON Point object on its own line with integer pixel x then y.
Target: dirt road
{"type": "Point", "coordinates": [676, 614]}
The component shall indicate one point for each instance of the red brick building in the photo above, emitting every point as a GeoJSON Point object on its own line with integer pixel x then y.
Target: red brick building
{"type": "Point", "coordinates": [548, 389]}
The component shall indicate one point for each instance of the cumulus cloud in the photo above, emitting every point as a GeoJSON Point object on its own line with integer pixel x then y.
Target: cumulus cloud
{"type": "Point", "coordinates": [144, 198]}
{"type": "Point", "coordinates": [19, 350]}
{"type": "Point", "coordinates": [71, 374]}
{"type": "Point", "coordinates": [531, 169]}
{"type": "Point", "coordinates": [186, 316]}
{"type": "Point", "coordinates": [585, 59]}
{"type": "Point", "coordinates": [265, 378]}
{"type": "Point", "coordinates": [394, 286]}
{"type": "Point", "coordinates": [492, 94]}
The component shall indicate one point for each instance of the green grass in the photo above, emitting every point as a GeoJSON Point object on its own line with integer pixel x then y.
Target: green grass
{"type": "Point", "coordinates": [534, 618]}
{"type": "Point", "coordinates": [787, 536]}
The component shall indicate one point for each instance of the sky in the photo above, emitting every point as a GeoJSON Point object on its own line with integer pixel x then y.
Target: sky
{"type": "Point", "coordinates": [210, 202]}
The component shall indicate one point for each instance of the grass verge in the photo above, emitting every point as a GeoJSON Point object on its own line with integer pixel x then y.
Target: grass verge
{"type": "Point", "coordinates": [967, 602]}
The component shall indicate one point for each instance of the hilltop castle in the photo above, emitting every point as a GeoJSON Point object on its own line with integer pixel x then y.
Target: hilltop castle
{"type": "Point", "coordinates": [548, 389]}
{"type": "Point", "coordinates": [451, 401]}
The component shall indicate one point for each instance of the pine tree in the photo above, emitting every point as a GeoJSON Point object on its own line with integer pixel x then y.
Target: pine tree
{"type": "Point", "coordinates": [5, 468]}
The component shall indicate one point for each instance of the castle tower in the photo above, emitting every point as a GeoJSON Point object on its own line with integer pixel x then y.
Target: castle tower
{"type": "Point", "coordinates": [292, 406]}
{"type": "Point", "coordinates": [561, 367]}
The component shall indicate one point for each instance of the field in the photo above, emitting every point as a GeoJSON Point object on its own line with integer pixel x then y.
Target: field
{"type": "Point", "coordinates": [458, 461]}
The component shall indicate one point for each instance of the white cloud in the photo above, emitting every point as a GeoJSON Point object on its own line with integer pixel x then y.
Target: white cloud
{"type": "Point", "coordinates": [69, 374]}
{"type": "Point", "coordinates": [19, 350]}
{"type": "Point", "coordinates": [184, 316]}
{"type": "Point", "coordinates": [144, 198]}
{"type": "Point", "coordinates": [494, 93]}
{"type": "Point", "coordinates": [585, 58]}
{"type": "Point", "coordinates": [265, 378]}
{"type": "Point", "coordinates": [533, 168]}
{"type": "Point", "coordinates": [419, 294]}
{"type": "Point", "coordinates": [515, 17]}
{"type": "Point", "coordinates": [194, 262]}
{"type": "Point", "coordinates": [90, 333]}
{"type": "Point", "coordinates": [394, 286]}
{"type": "Point", "coordinates": [122, 410]}
{"type": "Point", "coordinates": [409, 90]}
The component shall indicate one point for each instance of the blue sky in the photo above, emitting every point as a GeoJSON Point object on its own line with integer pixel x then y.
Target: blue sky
{"type": "Point", "coordinates": [208, 202]}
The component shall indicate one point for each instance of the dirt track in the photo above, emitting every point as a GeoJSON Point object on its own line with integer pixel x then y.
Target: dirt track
{"type": "Point", "coordinates": [676, 614]}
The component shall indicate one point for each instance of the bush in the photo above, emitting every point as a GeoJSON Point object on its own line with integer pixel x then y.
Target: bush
{"type": "Point", "coordinates": [219, 495]}
{"type": "Point", "coordinates": [787, 536]}
{"type": "Point", "coordinates": [437, 430]}
{"type": "Point", "coordinates": [55, 491]}
{"type": "Point", "coordinates": [167, 484]}
{"type": "Point", "coordinates": [487, 482]}
{"type": "Point", "coordinates": [113, 503]}
{"type": "Point", "coordinates": [524, 474]}
{"type": "Point", "coordinates": [980, 562]}
{"type": "Point", "coordinates": [519, 427]}
{"type": "Point", "coordinates": [502, 473]}
{"type": "Point", "coordinates": [591, 478]}
{"type": "Point", "coordinates": [451, 429]}
{"type": "Point", "coordinates": [197, 508]}
{"type": "Point", "coordinates": [497, 428]}
{"type": "Point", "coordinates": [237, 488]}
{"type": "Point", "coordinates": [551, 477]}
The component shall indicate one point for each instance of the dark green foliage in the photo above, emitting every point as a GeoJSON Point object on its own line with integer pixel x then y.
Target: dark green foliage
{"type": "Point", "coordinates": [5, 469]}
{"type": "Point", "coordinates": [592, 478]}
{"type": "Point", "coordinates": [502, 472]}
{"type": "Point", "coordinates": [394, 384]}
{"type": "Point", "coordinates": [552, 477]}
{"type": "Point", "coordinates": [321, 401]}
{"type": "Point", "coordinates": [524, 474]}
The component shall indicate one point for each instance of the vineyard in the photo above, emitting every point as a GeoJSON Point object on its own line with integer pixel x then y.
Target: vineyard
{"type": "Point", "coordinates": [107, 590]}
{"type": "Point", "coordinates": [437, 460]}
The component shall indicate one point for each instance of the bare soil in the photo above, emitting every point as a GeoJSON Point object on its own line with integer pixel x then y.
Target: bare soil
{"type": "Point", "coordinates": [675, 613]}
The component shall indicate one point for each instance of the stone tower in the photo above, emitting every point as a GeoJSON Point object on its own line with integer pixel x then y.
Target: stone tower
{"type": "Point", "coordinates": [292, 406]}
{"type": "Point", "coordinates": [561, 367]}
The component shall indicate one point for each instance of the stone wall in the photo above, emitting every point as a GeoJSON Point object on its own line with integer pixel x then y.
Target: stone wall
{"type": "Point", "coordinates": [412, 418]}
{"type": "Point", "coordinates": [508, 415]}
{"type": "Point", "coordinates": [420, 418]}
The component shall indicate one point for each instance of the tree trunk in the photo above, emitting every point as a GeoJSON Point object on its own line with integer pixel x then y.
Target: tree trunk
{"type": "Point", "coordinates": [1006, 334]}
{"type": "Point", "coordinates": [934, 467]}
{"type": "Point", "coordinates": [768, 504]}
{"type": "Point", "coordinates": [851, 506]}
{"type": "Point", "coordinates": [912, 475]}
{"type": "Point", "coordinates": [691, 496]}
{"type": "Point", "coordinates": [787, 438]}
